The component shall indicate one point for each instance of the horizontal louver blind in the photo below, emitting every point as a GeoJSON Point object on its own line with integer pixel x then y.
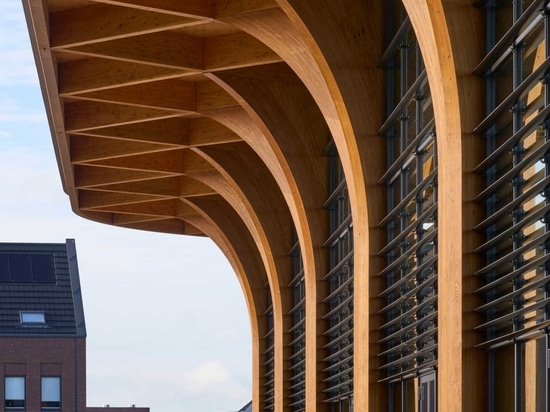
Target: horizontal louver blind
{"type": "Point", "coordinates": [409, 341]}
{"type": "Point", "coordinates": [514, 279]}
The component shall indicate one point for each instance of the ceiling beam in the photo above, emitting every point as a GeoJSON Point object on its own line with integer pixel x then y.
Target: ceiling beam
{"type": "Point", "coordinates": [89, 75]}
{"type": "Point", "coordinates": [88, 149]}
{"type": "Point", "coordinates": [171, 161]}
{"type": "Point", "coordinates": [171, 94]}
{"type": "Point", "coordinates": [210, 96]}
{"type": "Point", "coordinates": [172, 225]}
{"type": "Point", "coordinates": [236, 50]}
{"type": "Point", "coordinates": [84, 115]}
{"type": "Point", "coordinates": [90, 199]}
{"type": "Point", "coordinates": [189, 8]}
{"type": "Point", "coordinates": [163, 186]}
{"type": "Point", "coordinates": [205, 132]}
{"type": "Point", "coordinates": [173, 131]}
{"type": "Point", "coordinates": [190, 187]}
{"type": "Point", "coordinates": [101, 22]}
{"type": "Point", "coordinates": [162, 207]}
{"type": "Point", "coordinates": [91, 176]}
{"type": "Point", "coordinates": [227, 8]}
{"type": "Point", "coordinates": [164, 49]}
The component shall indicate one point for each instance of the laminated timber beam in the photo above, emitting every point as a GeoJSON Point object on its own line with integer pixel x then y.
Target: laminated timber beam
{"type": "Point", "coordinates": [85, 115]}
{"type": "Point", "coordinates": [179, 96]}
{"type": "Point", "coordinates": [89, 199]}
{"type": "Point", "coordinates": [156, 208]}
{"type": "Point", "coordinates": [344, 97]}
{"type": "Point", "coordinates": [188, 54]}
{"type": "Point", "coordinates": [171, 94]}
{"type": "Point", "coordinates": [172, 162]}
{"type": "Point", "coordinates": [89, 75]}
{"type": "Point", "coordinates": [196, 8]}
{"type": "Point", "coordinates": [253, 279]}
{"type": "Point", "coordinates": [252, 192]}
{"type": "Point", "coordinates": [449, 34]}
{"type": "Point", "coordinates": [171, 50]}
{"type": "Point", "coordinates": [102, 22]}
{"type": "Point", "coordinates": [243, 180]}
{"type": "Point", "coordinates": [170, 132]}
{"type": "Point", "coordinates": [173, 226]}
{"type": "Point", "coordinates": [290, 126]}
{"type": "Point", "coordinates": [91, 176]}
{"type": "Point", "coordinates": [188, 8]}
{"type": "Point", "coordinates": [236, 241]}
{"type": "Point", "coordinates": [88, 149]}
{"type": "Point", "coordinates": [160, 186]}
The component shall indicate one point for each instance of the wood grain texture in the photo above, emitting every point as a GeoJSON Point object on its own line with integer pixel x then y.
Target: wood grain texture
{"type": "Point", "coordinates": [211, 118]}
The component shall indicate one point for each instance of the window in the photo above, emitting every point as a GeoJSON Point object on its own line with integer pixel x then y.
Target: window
{"type": "Point", "coordinates": [50, 392]}
{"type": "Point", "coordinates": [32, 317]}
{"type": "Point", "coordinates": [427, 393]}
{"type": "Point", "coordinates": [14, 392]}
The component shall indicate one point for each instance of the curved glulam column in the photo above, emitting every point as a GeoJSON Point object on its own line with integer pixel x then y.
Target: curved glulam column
{"type": "Point", "coordinates": [353, 84]}
{"type": "Point", "coordinates": [253, 192]}
{"type": "Point", "coordinates": [254, 195]}
{"type": "Point", "coordinates": [219, 221]}
{"type": "Point", "coordinates": [291, 143]}
{"type": "Point", "coordinates": [251, 277]}
{"type": "Point", "coordinates": [449, 37]}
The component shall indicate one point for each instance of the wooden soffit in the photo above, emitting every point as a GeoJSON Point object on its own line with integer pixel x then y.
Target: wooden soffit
{"type": "Point", "coordinates": [129, 100]}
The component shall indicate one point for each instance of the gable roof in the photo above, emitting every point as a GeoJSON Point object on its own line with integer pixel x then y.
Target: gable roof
{"type": "Point", "coordinates": [42, 281]}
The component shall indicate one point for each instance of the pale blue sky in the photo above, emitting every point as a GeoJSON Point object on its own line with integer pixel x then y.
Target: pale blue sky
{"type": "Point", "coordinates": [166, 319]}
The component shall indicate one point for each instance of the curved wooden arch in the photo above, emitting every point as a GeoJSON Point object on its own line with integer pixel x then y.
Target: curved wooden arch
{"type": "Point", "coordinates": [353, 93]}
{"type": "Point", "coordinates": [256, 198]}
{"type": "Point", "coordinates": [139, 134]}
{"type": "Point", "coordinates": [449, 35]}
{"type": "Point", "coordinates": [220, 222]}
{"type": "Point", "coordinates": [255, 302]}
{"type": "Point", "coordinates": [296, 137]}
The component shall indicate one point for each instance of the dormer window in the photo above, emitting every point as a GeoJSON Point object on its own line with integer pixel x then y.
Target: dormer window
{"type": "Point", "coordinates": [32, 318]}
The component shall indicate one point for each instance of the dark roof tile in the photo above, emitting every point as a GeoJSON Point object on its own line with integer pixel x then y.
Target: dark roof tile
{"type": "Point", "coordinates": [40, 277]}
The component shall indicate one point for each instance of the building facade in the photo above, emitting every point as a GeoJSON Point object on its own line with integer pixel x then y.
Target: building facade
{"type": "Point", "coordinates": [376, 172]}
{"type": "Point", "coordinates": [42, 329]}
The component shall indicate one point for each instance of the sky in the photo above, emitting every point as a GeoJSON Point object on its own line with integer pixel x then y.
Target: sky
{"type": "Point", "coordinates": [165, 315]}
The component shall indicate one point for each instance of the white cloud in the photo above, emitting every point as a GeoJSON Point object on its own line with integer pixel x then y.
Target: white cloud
{"type": "Point", "coordinates": [206, 377]}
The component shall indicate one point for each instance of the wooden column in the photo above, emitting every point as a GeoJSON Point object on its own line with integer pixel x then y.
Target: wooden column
{"type": "Point", "coordinates": [449, 36]}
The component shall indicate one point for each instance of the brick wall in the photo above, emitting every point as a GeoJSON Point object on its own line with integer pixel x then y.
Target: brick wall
{"type": "Point", "coordinates": [43, 356]}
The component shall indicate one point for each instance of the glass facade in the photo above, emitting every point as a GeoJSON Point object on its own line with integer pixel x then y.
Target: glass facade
{"type": "Point", "coordinates": [298, 331]}
{"type": "Point", "coordinates": [409, 343]}
{"type": "Point", "coordinates": [514, 278]}
{"type": "Point", "coordinates": [269, 357]}
{"type": "Point", "coordinates": [338, 361]}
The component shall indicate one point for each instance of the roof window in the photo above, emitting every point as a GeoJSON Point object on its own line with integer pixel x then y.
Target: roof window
{"type": "Point", "coordinates": [32, 317]}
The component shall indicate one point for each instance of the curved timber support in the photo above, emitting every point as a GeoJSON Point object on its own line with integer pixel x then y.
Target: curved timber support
{"type": "Point", "coordinates": [227, 230]}
{"type": "Point", "coordinates": [254, 193]}
{"type": "Point", "coordinates": [449, 35]}
{"type": "Point", "coordinates": [213, 118]}
{"type": "Point", "coordinates": [297, 134]}
{"type": "Point", "coordinates": [354, 92]}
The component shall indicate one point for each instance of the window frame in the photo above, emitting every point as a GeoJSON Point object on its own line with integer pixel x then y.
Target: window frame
{"type": "Point", "coordinates": [42, 392]}
{"type": "Point", "coordinates": [23, 400]}
{"type": "Point", "coordinates": [33, 313]}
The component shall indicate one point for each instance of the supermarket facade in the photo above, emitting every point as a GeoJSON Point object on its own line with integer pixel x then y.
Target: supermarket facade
{"type": "Point", "coordinates": [376, 172]}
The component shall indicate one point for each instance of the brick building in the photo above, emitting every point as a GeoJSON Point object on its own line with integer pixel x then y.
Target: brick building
{"type": "Point", "coordinates": [42, 329]}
